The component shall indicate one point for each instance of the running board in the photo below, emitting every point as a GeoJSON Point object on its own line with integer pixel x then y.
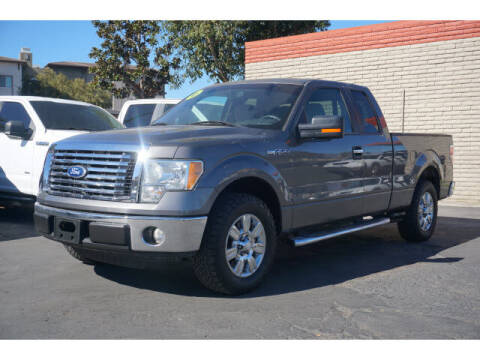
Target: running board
{"type": "Point", "coordinates": [306, 240]}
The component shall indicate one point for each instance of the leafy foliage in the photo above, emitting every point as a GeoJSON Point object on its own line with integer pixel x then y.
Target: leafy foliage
{"type": "Point", "coordinates": [217, 48]}
{"type": "Point", "coordinates": [50, 84]}
{"type": "Point", "coordinates": [123, 61]}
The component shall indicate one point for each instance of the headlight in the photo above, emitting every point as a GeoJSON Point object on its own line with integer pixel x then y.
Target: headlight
{"type": "Point", "coordinates": [44, 185]}
{"type": "Point", "coordinates": [160, 176]}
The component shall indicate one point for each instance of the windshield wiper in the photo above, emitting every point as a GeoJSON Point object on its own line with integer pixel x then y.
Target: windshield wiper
{"type": "Point", "coordinates": [159, 124]}
{"type": "Point", "coordinates": [211, 122]}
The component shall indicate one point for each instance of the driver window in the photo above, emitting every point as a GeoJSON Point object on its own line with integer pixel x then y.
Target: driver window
{"type": "Point", "coordinates": [13, 111]}
{"type": "Point", "coordinates": [326, 101]}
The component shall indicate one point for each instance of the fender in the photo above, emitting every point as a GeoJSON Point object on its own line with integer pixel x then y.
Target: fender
{"type": "Point", "coordinates": [403, 192]}
{"type": "Point", "coordinates": [425, 160]}
{"type": "Point", "coordinates": [240, 166]}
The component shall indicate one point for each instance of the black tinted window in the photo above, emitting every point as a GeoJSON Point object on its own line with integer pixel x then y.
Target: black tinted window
{"type": "Point", "coordinates": [168, 107]}
{"type": "Point", "coordinates": [62, 116]}
{"type": "Point", "coordinates": [143, 114]}
{"type": "Point", "coordinates": [251, 105]}
{"type": "Point", "coordinates": [367, 113]}
{"type": "Point", "coordinates": [139, 115]}
{"type": "Point", "coordinates": [13, 111]}
{"type": "Point", "coordinates": [328, 102]}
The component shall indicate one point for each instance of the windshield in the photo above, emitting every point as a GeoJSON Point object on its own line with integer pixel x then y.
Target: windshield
{"type": "Point", "coordinates": [64, 116]}
{"type": "Point", "coordinates": [143, 114]}
{"type": "Point", "coordinates": [252, 105]}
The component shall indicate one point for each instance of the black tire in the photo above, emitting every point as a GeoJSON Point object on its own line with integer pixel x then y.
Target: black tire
{"type": "Point", "coordinates": [410, 228]}
{"type": "Point", "coordinates": [210, 263]}
{"type": "Point", "coordinates": [78, 255]}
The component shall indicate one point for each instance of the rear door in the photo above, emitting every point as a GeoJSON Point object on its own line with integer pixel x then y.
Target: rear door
{"type": "Point", "coordinates": [16, 158]}
{"type": "Point", "coordinates": [325, 178]}
{"type": "Point", "coordinates": [375, 149]}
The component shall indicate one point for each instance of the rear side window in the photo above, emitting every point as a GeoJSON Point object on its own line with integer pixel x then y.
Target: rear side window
{"type": "Point", "coordinates": [144, 114]}
{"type": "Point", "coordinates": [13, 111]}
{"type": "Point", "coordinates": [139, 115]}
{"type": "Point", "coordinates": [367, 113]}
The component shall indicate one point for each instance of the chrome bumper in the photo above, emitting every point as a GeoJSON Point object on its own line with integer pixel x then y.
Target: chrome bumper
{"type": "Point", "coordinates": [180, 234]}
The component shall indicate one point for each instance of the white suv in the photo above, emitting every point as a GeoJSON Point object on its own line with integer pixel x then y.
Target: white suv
{"type": "Point", "coordinates": [143, 112]}
{"type": "Point", "coordinates": [28, 126]}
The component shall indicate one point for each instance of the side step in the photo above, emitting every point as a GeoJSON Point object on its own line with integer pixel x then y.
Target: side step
{"type": "Point", "coordinates": [306, 240]}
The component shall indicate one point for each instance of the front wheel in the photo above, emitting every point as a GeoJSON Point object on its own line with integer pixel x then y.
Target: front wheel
{"type": "Point", "coordinates": [239, 245]}
{"type": "Point", "coordinates": [421, 218]}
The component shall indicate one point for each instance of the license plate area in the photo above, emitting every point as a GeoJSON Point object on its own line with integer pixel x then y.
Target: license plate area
{"type": "Point", "coordinates": [67, 230]}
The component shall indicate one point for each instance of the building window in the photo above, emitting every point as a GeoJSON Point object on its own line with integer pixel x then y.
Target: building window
{"type": "Point", "coordinates": [6, 81]}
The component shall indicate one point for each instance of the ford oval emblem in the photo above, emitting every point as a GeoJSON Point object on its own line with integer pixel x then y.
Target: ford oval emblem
{"type": "Point", "coordinates": [76, 172]}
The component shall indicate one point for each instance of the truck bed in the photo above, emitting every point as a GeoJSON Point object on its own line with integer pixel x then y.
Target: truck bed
{"type": "Point", "coordinates": [412, 150]}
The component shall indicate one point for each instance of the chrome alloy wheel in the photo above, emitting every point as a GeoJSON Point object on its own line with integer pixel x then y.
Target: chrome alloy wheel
{"type": "Point", "coordinates": [245, 245]}
{"type": "Point", "coordinates": [426, 211]}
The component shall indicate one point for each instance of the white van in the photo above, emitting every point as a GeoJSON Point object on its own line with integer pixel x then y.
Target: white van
{"type": "Point", "coordinates": [28, 125]}
{"type": "Point", "coordinates": [142, 112]}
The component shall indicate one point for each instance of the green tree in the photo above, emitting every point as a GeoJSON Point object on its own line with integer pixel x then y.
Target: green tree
{"type": "Point", "coordinates": [50, 84]}
{"type": "Point", "coordinates": [217, 48]}
{"type": "Point", "coordinates": [131, 59]}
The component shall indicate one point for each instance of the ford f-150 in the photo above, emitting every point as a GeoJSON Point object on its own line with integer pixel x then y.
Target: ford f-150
{"type": "Point", "coordinates": [232, 167]}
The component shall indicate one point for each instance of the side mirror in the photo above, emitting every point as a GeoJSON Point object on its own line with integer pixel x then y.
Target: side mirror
{"type": "Point", "coordinates": [322, 127]}
{"type": "Point", "coordinates": [17, 129]}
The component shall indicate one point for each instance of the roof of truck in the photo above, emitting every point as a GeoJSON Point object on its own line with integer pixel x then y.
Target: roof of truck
{"type": "Point", "coordinates": [153, 101]}
{"type": "Point", "coordinates": [40, 98]}
{"type": "Point", "coordinates": [292, 81]}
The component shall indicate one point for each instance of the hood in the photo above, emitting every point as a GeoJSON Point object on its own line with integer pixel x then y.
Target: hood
{"type": "Point", "coordinates": [168, 138]}
{"type": "Point", "coordinates": [57, 135]}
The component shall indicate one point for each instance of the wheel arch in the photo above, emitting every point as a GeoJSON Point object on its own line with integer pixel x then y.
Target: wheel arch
{"type": "Point", "coordinates": [259, 187]}
{"type": "Point", "coordinates": [432, 174]}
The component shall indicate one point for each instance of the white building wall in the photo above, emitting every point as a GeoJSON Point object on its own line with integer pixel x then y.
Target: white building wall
{"type": "Point", "coordinates": [441, 81]}
{"type": "Point", "coordinates": [15, 71]}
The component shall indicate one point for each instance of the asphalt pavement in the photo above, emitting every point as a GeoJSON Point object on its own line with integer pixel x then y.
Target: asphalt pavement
{"type": "Point", "coordinates": [367, 285]}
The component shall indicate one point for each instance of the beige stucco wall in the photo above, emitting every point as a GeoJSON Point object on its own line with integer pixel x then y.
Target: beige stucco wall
{"type": "Point", "coordinates": [441, 81]}
{"type": "Point", "coordinates": [14, 70]}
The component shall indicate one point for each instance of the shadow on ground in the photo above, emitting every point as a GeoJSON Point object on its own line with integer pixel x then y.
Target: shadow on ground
{"type": "Point", "coordinates": [327, 263]}
{"type": "Point", "coordinates": [16, 222]}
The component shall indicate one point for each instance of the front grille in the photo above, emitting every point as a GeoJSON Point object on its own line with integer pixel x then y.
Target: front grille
{"type": "Point", "coordinates": [109, 175]}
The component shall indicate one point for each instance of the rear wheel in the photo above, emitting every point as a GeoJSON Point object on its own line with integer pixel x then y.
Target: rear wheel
{"type": "Point", "coordinates": [239, 245]}
{"type": "Point", "coordinates": [78, 255]}
{"type": "Point", "coordinates": [421, 218]}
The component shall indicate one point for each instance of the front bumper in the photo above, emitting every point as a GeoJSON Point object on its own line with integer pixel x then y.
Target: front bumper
{"type": "Point", "coordinates": [126, 232]}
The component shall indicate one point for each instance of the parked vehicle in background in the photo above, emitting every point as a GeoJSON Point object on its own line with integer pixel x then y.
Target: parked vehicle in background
{"type": "Point", "coordinates": [28, 126]}
{"type": "Point", "coordinates": [220, 176]}
{"type": "Point", "coordinates": [142, 112]}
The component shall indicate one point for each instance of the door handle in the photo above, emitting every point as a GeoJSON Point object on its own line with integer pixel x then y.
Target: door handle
{"type": "Point", "coordinates": [357, 152]}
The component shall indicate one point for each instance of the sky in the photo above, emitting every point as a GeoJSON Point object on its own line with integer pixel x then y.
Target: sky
{"type": "Point", "coordinates": [52, 41]}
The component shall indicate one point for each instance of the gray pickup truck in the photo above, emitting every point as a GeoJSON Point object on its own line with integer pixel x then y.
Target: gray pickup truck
{"type": "Point", "coordinates": [235, 168]}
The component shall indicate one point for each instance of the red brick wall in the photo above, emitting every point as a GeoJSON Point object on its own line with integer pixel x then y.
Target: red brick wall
{"type": "Point", "coordinates": [398, 33]}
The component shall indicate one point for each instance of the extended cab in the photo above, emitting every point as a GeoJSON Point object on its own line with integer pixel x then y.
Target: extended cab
{"type": "Point", "coordinates": [233, 166]}
{"type": "Point", "coordinates": [28, 126]}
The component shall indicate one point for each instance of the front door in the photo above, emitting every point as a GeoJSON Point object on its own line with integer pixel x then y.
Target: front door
{"type": "Point", "coordinates": [325, 179]}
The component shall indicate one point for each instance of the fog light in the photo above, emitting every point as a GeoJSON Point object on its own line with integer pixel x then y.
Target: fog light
{"type": "Point", "coordinates": [153, 236]}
